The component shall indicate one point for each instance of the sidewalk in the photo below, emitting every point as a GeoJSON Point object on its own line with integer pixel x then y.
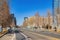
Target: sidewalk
{"type": "Point", "coordinates": [3, 33]}
{"type": "Point", "coordinates": [7, 37]}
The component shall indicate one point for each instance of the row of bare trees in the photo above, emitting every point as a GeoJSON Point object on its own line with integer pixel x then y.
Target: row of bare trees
{"type": "Point", "coordinates": [5, 16]}
{"type": "Point", "coordinates": [37, 20]}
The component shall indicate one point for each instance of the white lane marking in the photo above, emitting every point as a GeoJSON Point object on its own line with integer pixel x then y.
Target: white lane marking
{"type": "Point", "coordinates": [26, 37]}
{"type": "Point", "coordinates": [14, 37]}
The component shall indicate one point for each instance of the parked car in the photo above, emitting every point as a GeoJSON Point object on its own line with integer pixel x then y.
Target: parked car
{"type": "Point", "coordinates": [16, 30]}
{"type": "Point", "coordinates": [9, 30]}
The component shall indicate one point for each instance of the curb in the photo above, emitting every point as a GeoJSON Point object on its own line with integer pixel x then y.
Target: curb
{"type": "Point", "coordinates": [3, 34]}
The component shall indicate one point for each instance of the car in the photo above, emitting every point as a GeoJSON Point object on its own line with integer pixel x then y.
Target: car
{"type": "Point", "coordinates": [16, 31]}
{"type": "Point", "coordinates": [9, 30]}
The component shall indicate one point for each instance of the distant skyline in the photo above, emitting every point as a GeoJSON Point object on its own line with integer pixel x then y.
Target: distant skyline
{"type": "Point", "coordinates": [27, 8]}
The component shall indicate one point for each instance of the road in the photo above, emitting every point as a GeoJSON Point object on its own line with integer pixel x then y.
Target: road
{"type": "Point", "coordinates": [34, 36]}
{"type": "Point", "coordinates": [47, 33]}
{"type": "Point", "coordinates": [19, 35]}
{"type": "Point", "coordinates": [52, 34]}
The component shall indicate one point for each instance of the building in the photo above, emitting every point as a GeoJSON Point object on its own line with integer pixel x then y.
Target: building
{"type": "Point", "coordinates": [56, 6]}
{"type": "Point", "coordinates": [38, 21]}
{"type": "Point", "coordinates": [25, 18]}
{"type": "Point", "coordinates": [13, 21]}
{"type": "Point", "coordinates": [56, 12]}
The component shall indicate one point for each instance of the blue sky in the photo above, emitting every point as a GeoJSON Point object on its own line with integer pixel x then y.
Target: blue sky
{"type": "Point", "coordinates": [27, 8]}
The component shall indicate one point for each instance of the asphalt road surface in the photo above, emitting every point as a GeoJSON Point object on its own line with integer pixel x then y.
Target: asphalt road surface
{"type": "Point", "coordinates": [47, 33]}
{"type": "Point", "coordinates": [52, 34]}
{"type": "Point", "coordinates": [34, 36]}
{"type": "Point", "coordinates": [19, 36]}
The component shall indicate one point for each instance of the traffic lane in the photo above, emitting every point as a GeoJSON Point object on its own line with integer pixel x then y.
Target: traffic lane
{"type": "Point", "coordinates": [19, 36]}
{"type": "Point", "coordinates": [34, 36]}
{"type": "Point", "coordinates": [47, 33]}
